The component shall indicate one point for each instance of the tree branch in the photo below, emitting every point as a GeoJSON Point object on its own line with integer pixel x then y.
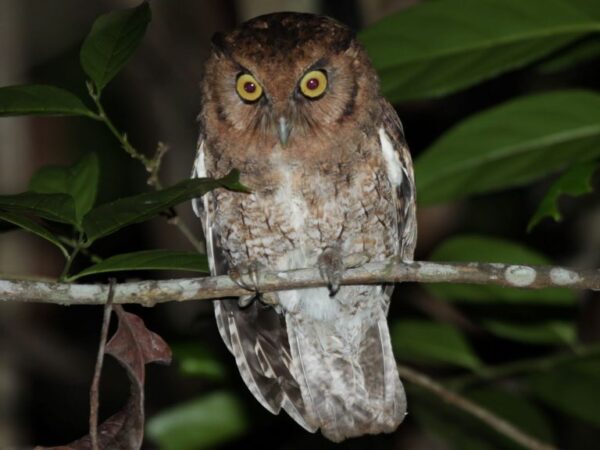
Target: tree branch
{"type": "Point", "coordinates": [151, 292]}
{"type": "Point", "coordinates": [456, 400]}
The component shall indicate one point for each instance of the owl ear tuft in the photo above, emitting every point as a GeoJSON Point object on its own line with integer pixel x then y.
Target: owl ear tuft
{"type": "Point", "coordinates": [219, 44]}
{"type": "Point", "coordinates": [345, 41]}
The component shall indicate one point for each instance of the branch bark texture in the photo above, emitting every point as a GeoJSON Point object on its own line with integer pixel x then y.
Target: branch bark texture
{"type": "Point", "coordinates": [151, 292]}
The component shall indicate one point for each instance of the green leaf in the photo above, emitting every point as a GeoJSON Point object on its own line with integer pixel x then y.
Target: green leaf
{"type": "Point", "coordinates": [546, 332]}
{"type": "Point", "coordinates": [53, 207]}
{"type": "Point", "coordinates": [575, 181]}
{"type": "Point", "coordinates": [467, 248]}
{"type": "Point", "coordinates": [572, 388]}
{"type": "Point", "coordinates": [111, 41]}
{"type": "Point", "coordinates": [510, 145]}
{"type": "Point", "coordinates": [28, 224]}
{"type": "Point", "coordinates": [430, 342]}
{"type": "Point", "coordinates": [434, 48]}
{"type": "Point", "coordinates": [80, 181]}
{"type": "Point", "coordinates": [41, 100]}
{"type": "Point", "coordinates": [111, 217]}
{"type": "Point", "coordinates": [197, 360]}
{"type": "Point", "coordinates": [202, 423]}
{"type": "Point", "coordinates": [148, 260]}
{"type": "Point", "coordinates": [571, 57]}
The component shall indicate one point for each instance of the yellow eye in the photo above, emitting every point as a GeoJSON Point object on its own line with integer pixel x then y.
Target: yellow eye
{"type": "Point", "coordinates": [248, 88]}
{"type": "Point", "coordinates": [313, 84]}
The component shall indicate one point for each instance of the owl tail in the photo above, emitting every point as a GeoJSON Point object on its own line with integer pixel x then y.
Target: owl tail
{"type": "Point", "coordinates": [347, 375]}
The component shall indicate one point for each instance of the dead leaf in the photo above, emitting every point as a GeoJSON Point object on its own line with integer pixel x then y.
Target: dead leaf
{"type": "Point", "coordinates": [134, 346]}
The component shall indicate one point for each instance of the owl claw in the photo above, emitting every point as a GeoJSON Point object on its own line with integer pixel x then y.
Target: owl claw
{"type": "Point", "coordinates": [247, 276]}
{"type": "Point", "coordinates": [331, 268]}
{"type": "Point", "coordinates": [246, 300]}
{"type": "Point", "coordinates": [354, 260]}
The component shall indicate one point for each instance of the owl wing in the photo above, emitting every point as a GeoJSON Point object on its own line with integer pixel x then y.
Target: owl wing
{"type": "Point", "coordinates": [256, 335]}
{"type": "Point", "coordinates": [204, 208]}
{"type": "Point", "coordinates": [400, 171]}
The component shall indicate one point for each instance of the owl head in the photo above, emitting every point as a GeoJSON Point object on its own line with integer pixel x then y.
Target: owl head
{"type": "Point", "coordinates": [281, 78]}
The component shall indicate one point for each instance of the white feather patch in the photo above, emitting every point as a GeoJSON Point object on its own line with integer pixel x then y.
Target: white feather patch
{"type": "Point", "coordinates": [392, 159]}
{"type": "Point", "coordinates": [199, 171]}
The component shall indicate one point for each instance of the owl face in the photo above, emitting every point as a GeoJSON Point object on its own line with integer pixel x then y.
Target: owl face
{"type": "Point", "coordinates": [283, 78]}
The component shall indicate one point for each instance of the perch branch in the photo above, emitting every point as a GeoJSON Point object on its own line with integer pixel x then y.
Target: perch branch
{"type": "Point", "coordinates": [151, 292]}
{"type": "Point", "coordinates": [456, 400]}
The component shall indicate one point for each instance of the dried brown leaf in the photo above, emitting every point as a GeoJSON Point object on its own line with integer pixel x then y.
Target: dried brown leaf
{"type": "Point", "coordinates": [134, 346]}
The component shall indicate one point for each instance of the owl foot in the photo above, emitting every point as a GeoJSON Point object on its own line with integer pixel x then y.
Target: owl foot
{"type": "Point", "coordinates": [331, 268]}
{"type": "Point", "coordinates": [332, 264]}
{"type": "Point", "coordinates": [357, 259]}
{"type": "Point", "coordinates": [247, 276]}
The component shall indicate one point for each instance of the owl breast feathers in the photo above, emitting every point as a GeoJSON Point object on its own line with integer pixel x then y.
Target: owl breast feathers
{"type": "Point", "coordinates": [292, 101]}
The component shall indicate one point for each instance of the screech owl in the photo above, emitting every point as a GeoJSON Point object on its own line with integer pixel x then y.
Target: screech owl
{"type": "Point", "coordinates": [293, 102]}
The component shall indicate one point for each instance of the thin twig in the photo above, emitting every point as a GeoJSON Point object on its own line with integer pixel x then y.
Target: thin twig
{"type": "Point", "coordinates": [121, 137]}
{"type": "Point", "coordinates": [152, 165]}
{"type": "Point", "coordinates": [84, 251]}
{"type": "Point", "coordinates": [198, 245]}
{"type": "Point", "coordinates": [150, 292]}
{"type": "Point", "coordinates": [95, 388]}
{"type": "Point", "coordinates": [489, 418]}
{"type": "Point", "coordinates": [65, 272]}
{"type": "Point", "coordinates": [153, 179]}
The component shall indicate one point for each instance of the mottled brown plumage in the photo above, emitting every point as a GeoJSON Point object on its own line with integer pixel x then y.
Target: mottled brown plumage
{"type": "Point", "coordinates": [331, 178]}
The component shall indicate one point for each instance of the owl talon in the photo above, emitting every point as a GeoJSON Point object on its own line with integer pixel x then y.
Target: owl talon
{"type": "Point", "coordinates": [331, 268]}
{"type": "Point", "coordinates": [247, 276]}
{"type": "Point", "coordinates": [357, 259]}
{"type": "Point", "coordinates": [269, 299]}
{"type": "Point", "coordinates": [246, 300]}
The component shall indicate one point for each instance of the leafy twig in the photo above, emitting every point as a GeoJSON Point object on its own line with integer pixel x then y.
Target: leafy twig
{"type": "Point", "coordinates": [153, 179]}
{"type": "Point", "coordinates": [95, 388]}
{"type": "Point", "coordinates": [486, 416]}
{"type": "Point", "coordinates": [84, 251]}
{"type": "Point", "coordinates": [76, 249]}
{"type": "Point", "coordinates": [121, 137]}
{"type": "Point", "coordinates": [152, 165]}
{"type": "Point", "coordinates": [152, 291]}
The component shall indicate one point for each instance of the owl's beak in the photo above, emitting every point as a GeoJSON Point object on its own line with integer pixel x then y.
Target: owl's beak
{"type": "Point", "coordinates": [283, 130]}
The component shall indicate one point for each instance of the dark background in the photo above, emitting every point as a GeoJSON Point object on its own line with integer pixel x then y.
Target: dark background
{"type": "Point", "coordinates": [48, 352]}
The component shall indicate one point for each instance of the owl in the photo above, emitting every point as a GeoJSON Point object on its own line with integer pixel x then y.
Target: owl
{"type": "Point", "coordinates": [293, 102]}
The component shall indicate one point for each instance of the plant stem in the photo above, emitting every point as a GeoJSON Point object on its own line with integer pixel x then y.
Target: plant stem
{"type": "Point", "coordinates": [95, 387]}
{"type": "Point", "coordinates": [489, 418]}
{"type": "Point", "coordinates": [121, 137]}
{"type": "Point", "coordinates": [152, 165]}
{"type": "Point", "coordinates": [83, 250]}
{"type": "Point", "coordinates": [198, 245]}
{"type": "Point", "coordinates": [70, 259]}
